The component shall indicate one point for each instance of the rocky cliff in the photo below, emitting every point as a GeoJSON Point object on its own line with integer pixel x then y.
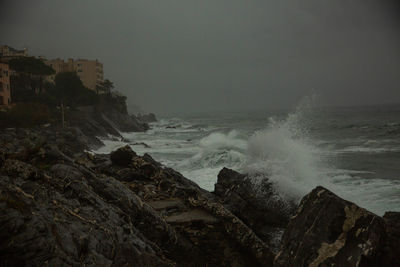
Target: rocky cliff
{"type": "Point", "coordinates": [98, 121]}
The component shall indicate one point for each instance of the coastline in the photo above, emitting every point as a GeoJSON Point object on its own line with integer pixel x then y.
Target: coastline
{"type": "Point", "coordinates": [65, 207]}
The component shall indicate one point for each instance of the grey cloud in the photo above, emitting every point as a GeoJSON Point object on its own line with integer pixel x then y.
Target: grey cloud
{"type": "Point", "coordinates": [186, 55]}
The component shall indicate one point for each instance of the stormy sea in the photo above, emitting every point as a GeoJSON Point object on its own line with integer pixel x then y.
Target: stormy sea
{"type": "Point", "coordinates": [354, 151]}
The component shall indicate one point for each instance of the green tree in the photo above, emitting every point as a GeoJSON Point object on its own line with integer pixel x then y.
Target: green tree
{"type": "Point", "coordinates": [30, 73]}
{"type": "Point", "coordinates": [105, 87]}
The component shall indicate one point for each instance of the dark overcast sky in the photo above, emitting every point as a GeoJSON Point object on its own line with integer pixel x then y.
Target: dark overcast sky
{"type": "Point", "coordinates": [191, 55]}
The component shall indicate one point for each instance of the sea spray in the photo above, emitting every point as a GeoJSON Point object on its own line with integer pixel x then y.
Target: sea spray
{"type": "Point", "coordinates": [295, 151]}
{"type": "Point", "coordinates": [287, 161]}
{"type": "Point", "coordinates": [215, 151]}
{"type": "Point", "coordinates": [284, 154]}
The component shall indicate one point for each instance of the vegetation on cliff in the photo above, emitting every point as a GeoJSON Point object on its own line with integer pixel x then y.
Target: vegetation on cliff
{"type": "Point", "coordinates": [30, 74]}
{"type": "Point", "coordinates": [37, 101]}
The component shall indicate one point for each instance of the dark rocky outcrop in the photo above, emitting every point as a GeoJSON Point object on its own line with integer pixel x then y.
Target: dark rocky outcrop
{"type": "Point", "coordinates": [204, 227]}
{"type": "Point", "coordinates": [69, 216]}
{"type": "Point", "coordinates": [150, 117]}
{"type": "Point", "coordinates": [260, 208]}
{"type": "Point", "coordinates": [101, 121]}
{"type": "Point", "coordinates": [330, 231]}
{"type": "Point", "coordinates": [391, 251]}
{"type": "Point", "coordinates": [122, 156]}
{"type": "Point", "coordinates": [63, 207]}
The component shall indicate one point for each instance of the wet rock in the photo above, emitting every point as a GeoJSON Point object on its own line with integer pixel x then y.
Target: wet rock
{"type": "Point", "coordinates": [146, 157]}
{"type": "Point", "coordinates": [204, 228]}
{"type": "Point", "coordinates": [104, 120]}
{"type": "Point", "coordinates": [391, 255]}
{"type": "Point", "coordinates": [72, 217]}
{"type": "Point", "coordinates": [122, 156]}
{"type": "Point", "coordinates": [2, 159]}
{"type": "Point", "coordinates": [63, 207]}
{"type": "Point", "coordinates": [18, 168]}
{"type": "Point", "coordinates": [196, 215]}
{"type": "Point", "coordinates": [260, 208]}
{"type": "Point", "coordinates": [166, 204]}
{"type": "Point", "coordinates": [330, 231]}
{"type": "Point", "coordinates": [130, 175]}
{"type": "Point", "coordinates": [257, 252]}
{"type": "Point", "coordinates": [64, 171]}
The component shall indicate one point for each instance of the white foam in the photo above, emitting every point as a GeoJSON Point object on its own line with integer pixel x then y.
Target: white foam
{"type": "Point", "coordinates": [363, 149]}
{"type": "Point", "coordinates": [109, 145]}
{"type": "Point", "coordinates": [283, 152]}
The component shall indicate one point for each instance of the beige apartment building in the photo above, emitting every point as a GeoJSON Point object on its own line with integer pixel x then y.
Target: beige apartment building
{"type": "Point", "coordinates": [90, 71]}
{"type": "Point", "coordinates": [5, 94]}
{"type": "Point", "coordinates": [9, 52]}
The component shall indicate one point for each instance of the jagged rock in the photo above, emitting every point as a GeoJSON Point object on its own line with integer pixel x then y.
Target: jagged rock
{"type": "Point", "coordinates": [13, 167]}
{"type": "Point", "coordinates": [252, 246]}
{"type": "Point", "coordinates": [122, 156]}
{"type": "Point", "coordinates": [64, 171]}
{"type": "Point", "coordinates": [130, 175]}
{"type": "Point", "coordinates": [261, 209]}
{"type": "Point", "coordinates": [151, 117]}
{"type": "Point", "coordinates": [166, 204]}
{"type": "Point", "coordinates": [330, 231]}
{"type": "Point", "coordinates": [204, 227]}
{"type": "Point", "coordinates": [193, 216]}
{"type": "Point", "coordinates": [148, 158]}
{"type": "Point", "coordinates": [59, 221]}
{"type": "Point", "coordinates": [104, 120]}
{"type": "Point", "coordinates": [81, 209]}
{"type": "Point", "coordinates": [392, 249]}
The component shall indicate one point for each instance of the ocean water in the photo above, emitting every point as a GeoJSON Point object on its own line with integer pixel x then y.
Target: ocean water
{"type": "Point", "coordinates": [353, 151]}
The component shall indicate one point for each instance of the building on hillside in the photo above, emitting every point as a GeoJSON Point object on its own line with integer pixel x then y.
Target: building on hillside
{"type": "Point", "coordinates": [9, 52]}
{"type": "Point", "coordinates": [90, 71]}
{"type": "Point", "coordinates": [5, 93]}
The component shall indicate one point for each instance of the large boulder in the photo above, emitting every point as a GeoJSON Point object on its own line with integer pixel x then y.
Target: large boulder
{"type": "Point", "coordinates": [122, 156]}
{"type": "Point", "coordinates": [260, 208]}
{"type": "Point", "coordinates": [330, 231]}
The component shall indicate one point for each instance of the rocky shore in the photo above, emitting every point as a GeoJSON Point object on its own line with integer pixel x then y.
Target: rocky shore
{"type": "Point", "coordinates": [62, 206]}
